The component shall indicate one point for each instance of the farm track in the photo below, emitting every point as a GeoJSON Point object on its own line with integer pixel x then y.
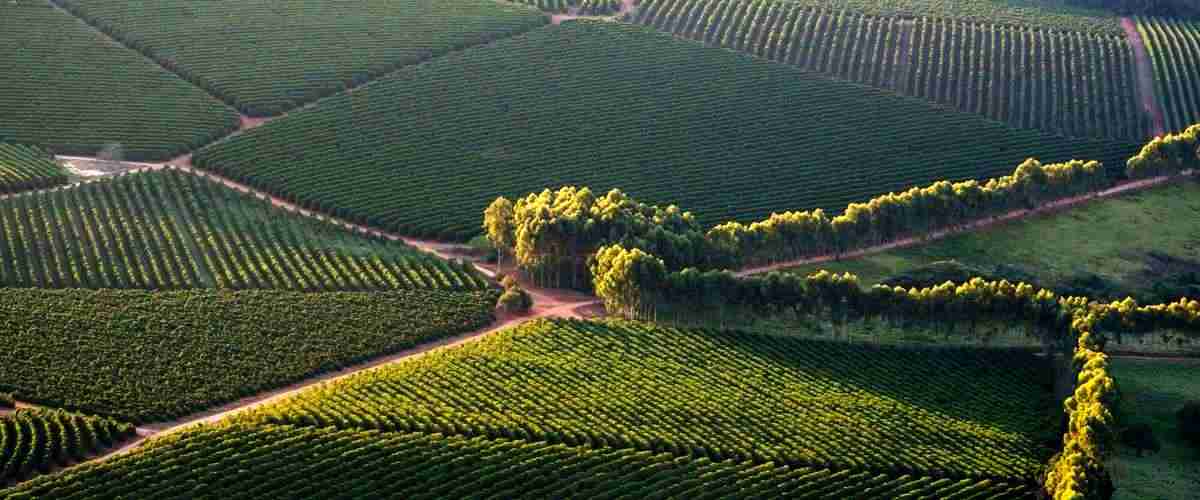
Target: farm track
{"type": "Point", "coordinates": [1145, 75]}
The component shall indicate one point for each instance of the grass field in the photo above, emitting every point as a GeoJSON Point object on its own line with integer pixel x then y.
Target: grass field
{"type": "Point", "coordinates": [69, 89]}
{"type": "Point", "coordinates": [1063, 82]}
{"type": "Point", "coordinates": [27, 167]}
{"type": "Point", "coordinates": [1152, 391]}
{"type": "Point", "coordinates": [605, 105]}
{"type": "Point", "coordinates": [1132, 243]}
{"type": "Point", "coordinates": [243, 461]}
{"type": "Point", "coordinates": [152, 356]}
{"type": "Point", "coordinates": [268, 56]}
{"type": "Point", "coordinates": [707, 393]}
{"type": "Point", "coordinates": [171, 230]}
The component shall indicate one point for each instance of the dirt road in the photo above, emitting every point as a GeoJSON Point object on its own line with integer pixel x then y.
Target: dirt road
{"type": "Point", "coordinates": [1145, 76]}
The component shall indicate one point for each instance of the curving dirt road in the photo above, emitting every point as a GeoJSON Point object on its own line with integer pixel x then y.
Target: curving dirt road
{"type": "Point", "coordinates": [1145, 76]}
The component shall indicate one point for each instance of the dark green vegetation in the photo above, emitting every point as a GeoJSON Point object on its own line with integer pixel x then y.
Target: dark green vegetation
{"type": "Point", "coordinates": [581, 7]}
{"type": "Point", "coordinates": [1064, 82]}
{"type": "Point", "coordinates": [724, 395]}
{"type": "Point", "coordinates": [265, 461]}
{"type": "Point", "coordinates": [1048, 14]}
{"type": "Point", "coordinates": [69, 89]}
{"type": "Point", "coordinates": [170, 230]}
{"type": "Point", "coordinates": [149, 356]}
{"type": "Point", "coordinates": [27, 167]}
{"type": "Point", "coordinates": [1152, 391]}
{"type": "Point", "coordinates": [1146, 244]}
{"type": "Point", "coordinates": [268, 56]}
{"type": "Point", "coordinates": [1174, 47]}
{"type": "Point", "coordinates": [606, 105]}
{"type": "Point", "coordinates": [35, 440]}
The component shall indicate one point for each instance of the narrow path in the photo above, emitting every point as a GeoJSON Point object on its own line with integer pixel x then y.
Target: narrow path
{"type": "Point", "coordinates": [1119, 189]}
{"type": "Point", "coordinates": [1145, 76]}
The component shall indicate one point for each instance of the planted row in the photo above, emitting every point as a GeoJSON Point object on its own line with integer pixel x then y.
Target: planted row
{"type": "Point", "coordinates": [27, 167]}
{"type": "Point", "coordinates": [1174, 49]}
{"type": "Point", "coordinates": [957, 413]}
{"type": "Point", "coordinates": [261, 461]}
{"type": "Point", "coordinates": [173, 230]}
{"type": "Point", "coordinates": [608, 105]}
{"type": "Point", "coordinates": [71, 90]}
{"type": "Point", "coordinates": [1063, 82]}
{"type": "Point", "coordinates": [265, 58]}
{"type": "Point", "coordinates": [34, 441]}
{"type": "Point", "coordinates": [153, 356]}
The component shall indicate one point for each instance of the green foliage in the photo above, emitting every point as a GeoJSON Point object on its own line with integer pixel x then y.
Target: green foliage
{"type": "Point", "coordinates": [1152, 392]}
{"type": "Point", "coordinates": [27, 167]}
{"type": "Point", "coordinates": [514, 300]}
{"type": "Point", "coordinates": [268, 57]}
{"type": "Point", "coordinates": [622, 276]}
{"type": "Point", "coordinates": [1189, 422]}
{"type": "Point", "coordinates": [1171, 44]}
{"type": "Point", "coordinates": [35, 440]}
{"type": "Point", "coordinates": [150, 356]}
{"type": "Point", "coordinates": [1167, 155]}
{"type": "Point", "coordinates": [265, 461]}
{"type": "Point", "coordinates": [955, 412]}
{"type": "Point", "coordinates": [171, 230]}
{"type": "Point", "coordinates": [608, 106]}
{"type": "Point", "coordinates": [580, 7]}
{"type": "Point", "coordinates": [1064, 82]}
{"type": "Point", "coordinates": [72, 91]}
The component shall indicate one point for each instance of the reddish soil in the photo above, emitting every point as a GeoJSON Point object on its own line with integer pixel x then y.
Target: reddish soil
{"type": "Point", "coordinates": [1145, 76]}
{"type": "Point", "coordinates": [627, 7]}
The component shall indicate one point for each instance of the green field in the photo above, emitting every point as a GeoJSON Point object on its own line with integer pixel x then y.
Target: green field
{"type": "Point", "coordinates": [71, 90]}
{"type": "Point", "coordinates": [267, 56]}
{"type": "Point", "coordinates": [27, 167]}
{"type": "Point", "coordinates": [708, 393]}
{"type": "Point", "coordinates": [243, 461]}
{"type": "Point", "coordinates": [151, 356]}
{"type": "Point", "coordinates": [1125, 245]}
{"type": "Point", "coordinates": [607, 105]}
{"type": "Point", "coordinates": [1152, 391]}
{"type": "Point", "coordinates": [1063, 82]}
{"type": "Point", "coordinates": [33, 441]}
{"type": "Point", "coordinates": [171, 230]}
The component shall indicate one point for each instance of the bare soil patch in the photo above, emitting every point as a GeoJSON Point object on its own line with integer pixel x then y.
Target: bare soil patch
{"type": "Point", "coordinates": [1145, 76]}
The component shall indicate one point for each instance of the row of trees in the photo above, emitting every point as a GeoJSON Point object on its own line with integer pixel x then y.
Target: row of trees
{"type": "Point", "coordinates": [1170, 154]}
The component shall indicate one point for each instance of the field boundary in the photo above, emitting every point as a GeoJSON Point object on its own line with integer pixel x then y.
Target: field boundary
{"type": "Point", "coordinates": [1145, 75]}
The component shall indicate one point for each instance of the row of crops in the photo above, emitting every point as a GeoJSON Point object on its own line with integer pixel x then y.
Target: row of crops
{"type": "Point", "coordinates": [153, 356]}
{"type": "Point", "coordinates": [1063, 82]}
{"type": "Point", "coordinates": [616, 106]}
{"type": "Point", "coordinates": [1174, 48]}
{"type": "Point", "coordinates": [71, 90]}
{"type": "Point", "coordinates": [169, 230]}
{"type": "Point", "coordinates": [1039, 14]}
{"type": "Point", "coordinates": [265, 57]}
{"type": "Point", "coordinates": [27, 167]}
{"type": "Point", "coordinates": [721, 395]}
{"type": "Point", "coordinates": [242, 461]}
{"type": "Point", "coordinates": [36, 440]}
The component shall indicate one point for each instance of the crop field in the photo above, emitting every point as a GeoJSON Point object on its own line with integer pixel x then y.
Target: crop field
{"type": "Point", "coordinates": [1063, 82]}
{"type": "Point", "coordinates": [152, 356]}
{"type": "Point", "coordinates": [70, 90]}
{"type": "Point", "coordinates": [267, 56]}
{"type": "Point", "coordinates": [253, 461]}
{"type": "Point", "coordinates": [170, 230]}
{"type": "Point", "coordinates": [616, 106]}
{"type": "Point", "coordinates": [1152, 390]}
{"type": "Point", "coordinates": [32, 441]}
{"type": "Point", "coordinates": [1023, 13]}
{"type": "Point", "coordinates": [1174, 47]}
{"type": "Point", "coordinates": [27, 167]}
{"type": "Point", "coordinates": [707, 393]}
{"type": "Point", "coordinates": [1113, 247]}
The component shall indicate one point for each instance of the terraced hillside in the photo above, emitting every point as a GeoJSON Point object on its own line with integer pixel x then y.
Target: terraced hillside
{"type": "Point", "coordinates": [268, 56]}
{"type": "Point", "coordinates": [171, 230]}
{"type": "Point", "coordinates": [27, 167]}
{"type": "Point", "coordinates": [71, 90]}
{"type": "Point", "coordinates": [263, 461]}
{"type": "Point", "coordinates": [720, 395]}
{"type": "Point", "coordinates": [1063, 82]}
{"type": "Point", "coordinates": [615, 106]}
{"type": "Point", "coordinates": [1174, 47]}
{"type": "Point", "coordinates": [34, 441]}
{"type": "Point", "coordinates": [153, 356]}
